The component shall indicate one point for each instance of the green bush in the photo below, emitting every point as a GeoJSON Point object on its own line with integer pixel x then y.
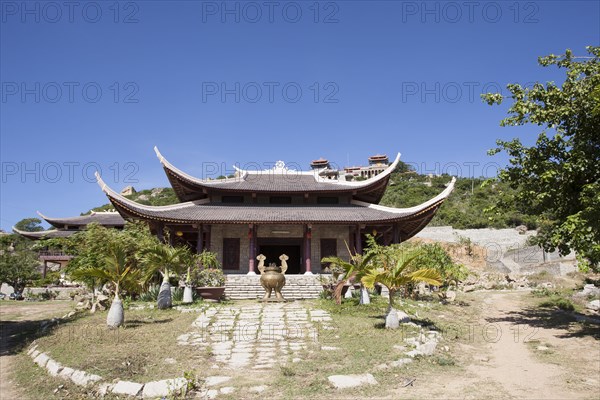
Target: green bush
{"type": "Point", "coordinates": [560, 302]}
{"type": "Point", "coordinates": [565, 304]}
{"type": "Point", "coordinates": [177, 294]}
{"type": "Point", "coordinates": [207, 277]}
{"type": "Point", "coordinates": [52, 278]}
{"type": "Point", "coordinates": [42, 296]}
{"type": "Point", "coordinates": [151, 294]}
{"type": "Point", "coordinates": [434, 256]}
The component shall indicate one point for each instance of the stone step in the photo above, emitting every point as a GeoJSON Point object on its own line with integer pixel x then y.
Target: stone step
{"type": "Point", "coordinates": [239, 287]}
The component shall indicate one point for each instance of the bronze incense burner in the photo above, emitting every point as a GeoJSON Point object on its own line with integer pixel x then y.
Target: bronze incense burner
{"type": "Point", "coordinates": [272, 277]}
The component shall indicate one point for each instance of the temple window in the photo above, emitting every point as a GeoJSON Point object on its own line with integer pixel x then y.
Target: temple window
{"type": "Point", "coordinates": [280, 200]}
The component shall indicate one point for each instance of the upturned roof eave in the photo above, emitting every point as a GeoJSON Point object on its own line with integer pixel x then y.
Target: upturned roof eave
{"type": "Point", "coordinates": [132, 209]}
{"type": "Point", "coordinates": [46, 234]}
{"type": "Point", "coordinates": [200, 187]}
{"type": "Point", "coordinates": [81, 220]}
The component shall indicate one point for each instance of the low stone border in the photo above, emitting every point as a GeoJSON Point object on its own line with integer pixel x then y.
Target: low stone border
{"type": "Point", "coordinates": [81, 378]}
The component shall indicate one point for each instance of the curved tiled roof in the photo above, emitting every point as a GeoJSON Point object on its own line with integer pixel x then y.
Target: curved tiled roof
{"type": "Point", "coordinates": [188, 187]}
{"type": "Point", "coordinates": [48, 234]}
{"type": "Point", "coordinates": [205, 212]}
{"type": "Point", "coordinates": [102, 218]}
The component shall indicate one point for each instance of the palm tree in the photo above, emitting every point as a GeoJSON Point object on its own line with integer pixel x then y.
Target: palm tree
{"type": "Point", "coordinates": [355, 270]}
{"type": "Point", "coordinates": [118, 269]}
{"type": "Point", "coordinates": [167, 260]}
{"type": "Point", "coordinates": [395, 271]}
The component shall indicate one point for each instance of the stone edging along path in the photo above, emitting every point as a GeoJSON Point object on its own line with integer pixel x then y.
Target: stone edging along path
{"type": "Point", "coordinates": [153, 389]}
{"type": "Point", "coordinates": [81, 378]}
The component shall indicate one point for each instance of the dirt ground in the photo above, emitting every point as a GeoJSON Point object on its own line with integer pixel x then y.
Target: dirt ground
{"type": "Point", "coordinates": [516, 351]}
{"type": "Point", "coordinates": [17, 320]}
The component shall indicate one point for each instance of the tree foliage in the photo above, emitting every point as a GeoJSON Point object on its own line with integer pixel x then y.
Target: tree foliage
{"type": "Point", "coordinates": [116, 267]}
{"type": "Point", "coordinates": [18, 262]}
{"type": "Point", "coordinates": [29, 225]}
{"type": "Point", "coordinates": [354, 270]}
{"type": "Point", "coordinates": [167, 260]}
{"type": "Point", "coordinates": [91, 246]}
{"type": "Point", "coordinates": [558, 178]}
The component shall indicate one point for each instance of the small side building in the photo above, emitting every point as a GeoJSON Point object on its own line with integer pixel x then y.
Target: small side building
{"type": "Point", "coordinates": [65, 227]}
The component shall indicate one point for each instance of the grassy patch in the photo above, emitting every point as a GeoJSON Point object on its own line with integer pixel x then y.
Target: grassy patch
{"type": "Point", "coordinates": [364, 345]}
{"type": "Point", "coordinates": [136, 351]}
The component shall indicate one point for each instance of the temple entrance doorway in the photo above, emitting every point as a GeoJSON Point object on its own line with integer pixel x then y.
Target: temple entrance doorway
{"type": "Point", "coordinates": [273, 248]}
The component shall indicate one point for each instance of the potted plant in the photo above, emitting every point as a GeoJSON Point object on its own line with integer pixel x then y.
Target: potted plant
{"type": "Point", "coordinates": [207, 277]}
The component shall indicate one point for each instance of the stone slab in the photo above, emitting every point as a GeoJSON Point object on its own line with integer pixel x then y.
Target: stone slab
{"type": "Point", "coordinates": [127, 388]}
{"type": "Point", "coordinates": [41, 359]}
{"type": "Point", "coordinates": [163, 388]}
{"type": "Point", "coordinates": [350, 381]}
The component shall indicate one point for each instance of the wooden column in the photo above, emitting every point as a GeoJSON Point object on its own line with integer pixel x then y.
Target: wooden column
{"type": "Point", "coordinates": [396, 238]}
{"type": "Point", "coordinates": [200, 241]}
{"type": "Point", "coordinates": [171, 237]}
{"type": "Point", "coordinates": [159, 232]}
{"type": "Point", "coordinates": [307, 250]}
{"type": "Point", "coordinates": [208, 237]}
{"type": "Point", "coordinates": [251, 249]}
{"type": "Point", "coordinates": [357, 240]}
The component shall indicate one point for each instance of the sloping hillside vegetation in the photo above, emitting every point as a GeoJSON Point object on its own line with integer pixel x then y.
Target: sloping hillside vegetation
{"type": "Point", "coordinates": [472, 204]}
{"type": "Point", "coordinates": [150, 197]}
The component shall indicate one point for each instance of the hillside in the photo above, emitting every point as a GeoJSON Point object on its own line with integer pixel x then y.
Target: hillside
{"type": "Point", "coordinates": [465, 208]}
{"type": "Point", "coordinates": [150, 197]}
{"type": "Point", "coordinates": [471, 204]}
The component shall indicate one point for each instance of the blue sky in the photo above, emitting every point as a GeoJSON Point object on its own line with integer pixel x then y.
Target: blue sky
{"type": "Point", "coordinates": [95, 85]}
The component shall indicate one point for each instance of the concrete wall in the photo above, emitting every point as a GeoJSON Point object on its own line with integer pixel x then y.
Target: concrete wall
{"type": "Point", "coordinates": [339, 232]}
{"type": "Point", "coordinates": [218, 232]}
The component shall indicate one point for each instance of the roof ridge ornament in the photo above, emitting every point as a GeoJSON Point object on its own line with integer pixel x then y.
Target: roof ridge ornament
{"type": "Point", "coordinates": [280, 166]}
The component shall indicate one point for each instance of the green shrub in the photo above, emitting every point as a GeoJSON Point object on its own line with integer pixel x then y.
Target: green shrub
{"type": "Point", "coordinates": [565, 304]}
{"type": "Point", "coordinates": [208, 277]}
{"type": "Point", "coordinates": [434, 256]}
{"type": "Point", "coordinates": [52, 278]}
{"type": "Point", "coordinates": [151, 294]}
{"type": "Point", "coordinates": [177, 294]}
{"type": "Point", "coordinates": [42, 296]}
{"type": "Point", "coordinates": [560, 302]}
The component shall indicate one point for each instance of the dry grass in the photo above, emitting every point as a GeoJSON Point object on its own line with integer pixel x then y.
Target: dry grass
{"type": "Point", "coordinates": [135, 351]}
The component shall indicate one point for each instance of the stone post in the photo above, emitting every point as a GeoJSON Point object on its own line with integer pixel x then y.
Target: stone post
{"type": "Point", "coordinates": [251, 248]}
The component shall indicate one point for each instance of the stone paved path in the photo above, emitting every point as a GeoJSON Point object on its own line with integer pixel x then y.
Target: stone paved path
{"type": "Point", "coordinates": [257, 336]}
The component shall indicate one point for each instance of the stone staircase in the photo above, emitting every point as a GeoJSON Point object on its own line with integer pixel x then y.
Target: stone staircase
{"type": "Point", "coordinates": [297, 287]}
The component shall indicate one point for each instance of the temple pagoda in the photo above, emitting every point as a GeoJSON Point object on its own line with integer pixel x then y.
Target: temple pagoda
{"type": "Point", "coordinates": [280, 210]}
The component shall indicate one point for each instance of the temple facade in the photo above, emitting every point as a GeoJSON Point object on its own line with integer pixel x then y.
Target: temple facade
{"type": "Point", "coordinates": [304, 214]}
